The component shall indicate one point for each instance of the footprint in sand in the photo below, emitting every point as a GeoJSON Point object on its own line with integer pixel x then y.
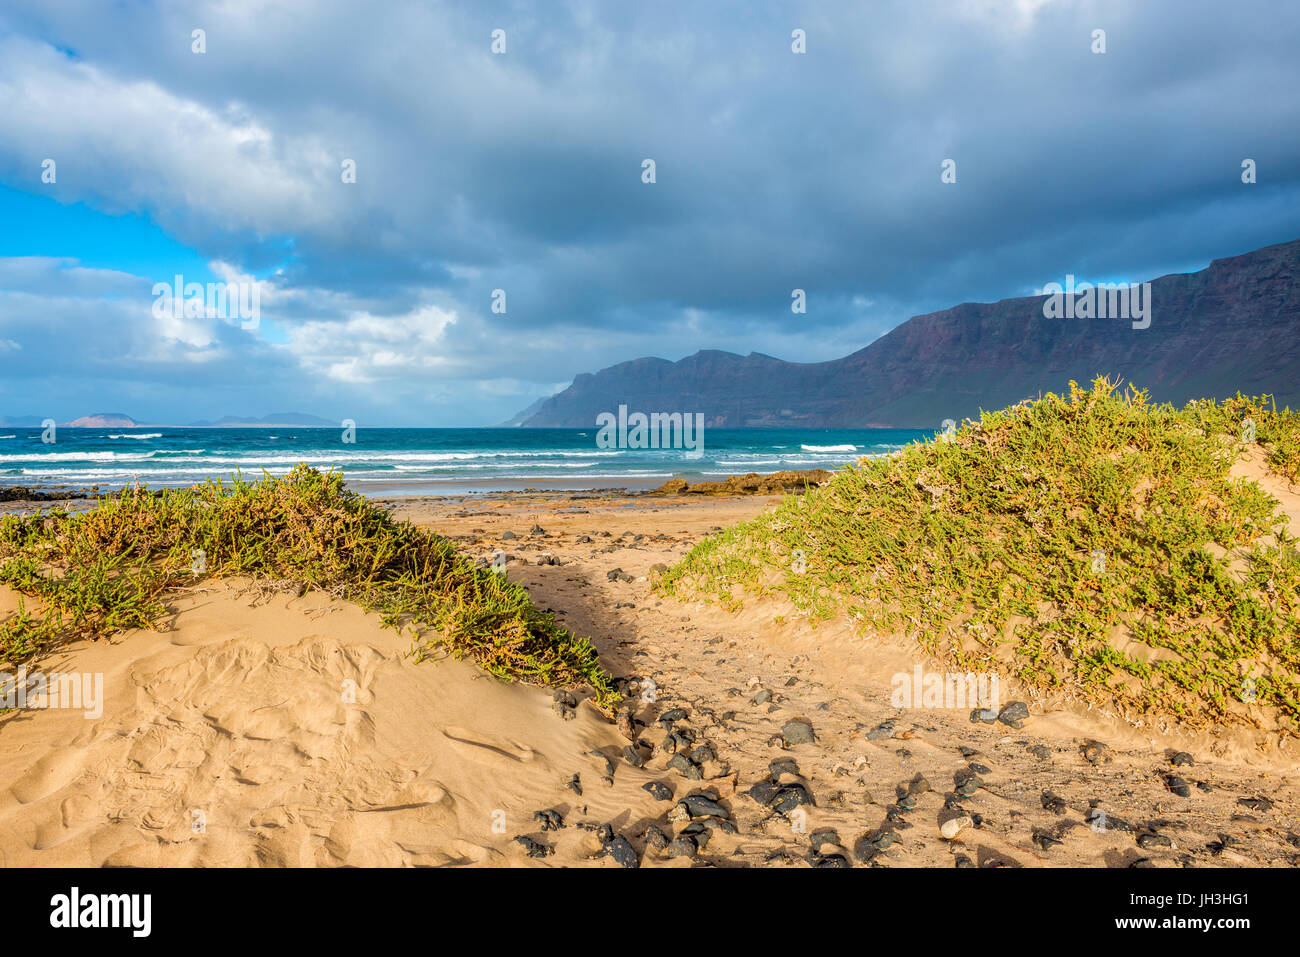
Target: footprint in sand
{"type": "Point", "coordinates": [49, 774]}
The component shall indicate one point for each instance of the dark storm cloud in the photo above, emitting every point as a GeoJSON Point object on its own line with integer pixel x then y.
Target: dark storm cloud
{"type": "Point", "coordinates": [775, 170]}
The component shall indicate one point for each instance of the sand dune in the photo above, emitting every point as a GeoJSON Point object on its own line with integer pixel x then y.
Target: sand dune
{"type": "Point", "coordinates": [297, 733]}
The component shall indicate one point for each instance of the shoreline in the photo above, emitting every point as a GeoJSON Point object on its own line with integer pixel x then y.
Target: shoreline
{"type": "Point", "coordinates": [16, 499]}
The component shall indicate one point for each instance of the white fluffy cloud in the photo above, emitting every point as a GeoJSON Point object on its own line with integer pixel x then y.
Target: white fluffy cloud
{"type": "Point", "coordinates": [522, 172]}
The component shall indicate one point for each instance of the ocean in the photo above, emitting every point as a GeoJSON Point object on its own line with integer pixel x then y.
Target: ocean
{"type": "Point", "coordinates": [403, 462]}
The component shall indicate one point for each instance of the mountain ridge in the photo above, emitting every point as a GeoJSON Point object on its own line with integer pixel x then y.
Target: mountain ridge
{"type": "Point", "coordinates": [1234, 325]}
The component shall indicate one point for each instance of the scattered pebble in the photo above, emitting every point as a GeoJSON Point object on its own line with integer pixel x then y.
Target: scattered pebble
{"type": "Point", "coordinates": [1014, 715]}
{"type": "Point", "coordinates": [702, 805]}
{"type": "Point", "coordinates": [672, 715]}
{"type": "Point", "coordinates": [1152, 839]}
{"type": "Point", "coordinates": [1045, 839]}
{"type": "Point", "coordinates": [881, 731]}
{"type": "Point", "coordinates": [966, 782]}
{"type": "Point", "coordinates": [798, 731]}
{"type": "Point", "coordinates": [658, 790]}
{"type": "Point", "coordinates": [954, 826]}
{"type": "Point", "coordinates": [1096, 753]}
{"type": "Point", "coordinates": [564, 704]}
{"type": "Point", "coordinates": [1052, 802]}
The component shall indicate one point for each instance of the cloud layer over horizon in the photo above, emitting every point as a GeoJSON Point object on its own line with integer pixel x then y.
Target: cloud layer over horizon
{"type": "Point", "coordinates": [523, 172]}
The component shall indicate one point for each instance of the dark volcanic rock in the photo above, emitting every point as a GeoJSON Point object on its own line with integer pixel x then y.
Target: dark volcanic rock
{"type": "Point", "coordinates": [966, 782]}
{"type": "Point", "coordinates": [656, 838]}
{"type": "Point", "coordinates": [683, 765]}
{"type": "Point", "coordinates": [874, 842]}
{"type": "Point", "coordinates": [882, 731]}
{"type": "Point", "coordinates": [1014, 715]}
{"type": "Point", "coordinates": [701, 805]}
{"type": "Point", "coordinates": [1052, 802]}
{"type": "Point", "coordinates": [764, 792]}
{"type": "Point", "coordinates": [818, 839]}
{"type": "Point", "coordinates": [1094, 752]}
{"type": "Point", "coordinates": [682, 846]}
{"type": "Point", "coordinates": [534, 848]}
{"type": "Point", "coordinates": [790, 797]}
{"type": "Point", "coordinates": [622, 852]}
{"type": "Point", "coordinates": [1152, 839]}
{"type": "Point", "coordinates": [798, 731]}
{"type": "Point", "coordinates": [550, 820]}
{"type": "Point", "coordinates": [1045, 839]}
{"type": "Point", "coordinates": [658, 790]}
{"type": "Point", "coordinates": [780, 766]}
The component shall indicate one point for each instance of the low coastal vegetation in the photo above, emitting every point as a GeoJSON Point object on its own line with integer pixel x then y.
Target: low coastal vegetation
{"type": "Point", "coordinates": [1093, 544]}
{"type": "Point", "coordinates": [114, 567]}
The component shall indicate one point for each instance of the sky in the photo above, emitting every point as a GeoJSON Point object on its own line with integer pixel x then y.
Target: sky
{"type": "Point", "coordinates": [377, 171]}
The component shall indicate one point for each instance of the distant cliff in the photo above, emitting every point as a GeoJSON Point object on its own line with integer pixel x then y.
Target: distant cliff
{"type": "Point", "coordinates": [1234, 325]}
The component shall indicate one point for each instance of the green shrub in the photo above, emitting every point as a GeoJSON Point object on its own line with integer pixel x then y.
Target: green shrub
{"type": "Point", "coordinates": [113, 567]}
{"type": "Point", "coordinates": [1046, 539]}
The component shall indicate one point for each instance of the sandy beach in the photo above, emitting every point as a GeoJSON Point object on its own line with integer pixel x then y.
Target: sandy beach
{"type": "Point", "coordinates": [267, 728]}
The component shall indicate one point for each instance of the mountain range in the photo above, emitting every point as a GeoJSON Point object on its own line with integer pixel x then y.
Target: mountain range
{"type": "Point", "coordinates": [1234, 325]}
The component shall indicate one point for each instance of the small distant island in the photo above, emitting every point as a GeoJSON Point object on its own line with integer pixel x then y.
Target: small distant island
{"type": "Point", "coordinates": [119, 420]}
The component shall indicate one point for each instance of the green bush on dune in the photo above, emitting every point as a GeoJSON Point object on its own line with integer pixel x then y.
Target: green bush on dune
{"type": "Point", "coordinates": [1093, 544]}
{"type": "Point", "coordinates": [112, 568]}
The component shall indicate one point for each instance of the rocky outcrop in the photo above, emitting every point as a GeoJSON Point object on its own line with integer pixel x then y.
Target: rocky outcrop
{"type": "Point", "coordinates": [775, 483]}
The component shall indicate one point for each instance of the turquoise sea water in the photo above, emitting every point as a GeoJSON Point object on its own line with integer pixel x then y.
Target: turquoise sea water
{"type": "Point", "coordinates": [417, 461]}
